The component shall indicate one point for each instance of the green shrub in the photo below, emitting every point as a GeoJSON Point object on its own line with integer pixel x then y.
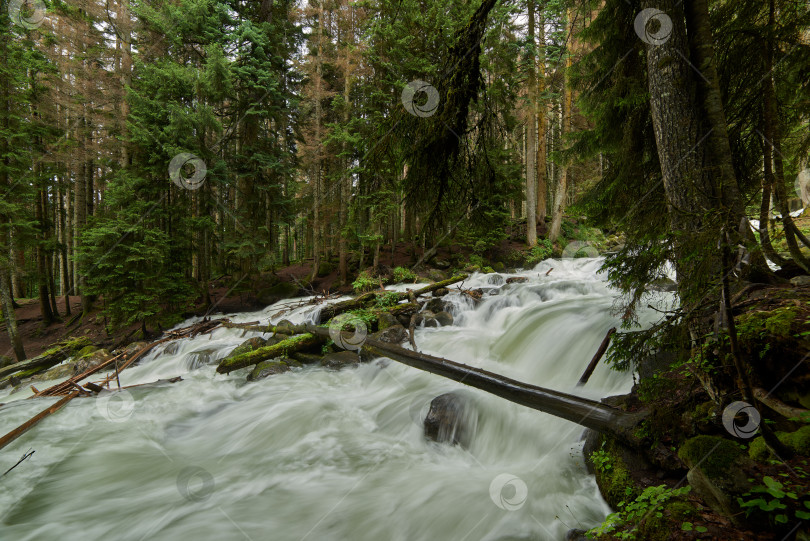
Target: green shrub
{"type": "Point", "coordinates": [402, 274]}
{"type": "Point", "coordinates": [364, 282]}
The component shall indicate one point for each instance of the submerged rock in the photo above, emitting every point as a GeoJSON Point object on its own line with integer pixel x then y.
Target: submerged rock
{"type": "Point", "coordinates": [199, 358]}
{"type": "Point", "coordinates": [452, 418]}
{"type": "Point", "coordinates": [427, 319]}
{"type": "Point", "coordinates": [444, 318]}
{"type": "Point", "coordinates": [267, 368]}
{"type": "Point", "coordinates": [341, 359]}
{"type": "Point", "coordinates": [517, 280]}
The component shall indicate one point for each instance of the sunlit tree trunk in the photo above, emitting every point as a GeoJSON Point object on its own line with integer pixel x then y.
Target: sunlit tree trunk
{"type": "Point", "coordinates": [531, 138]}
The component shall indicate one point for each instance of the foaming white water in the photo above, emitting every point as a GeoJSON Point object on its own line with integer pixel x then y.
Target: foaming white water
{"type": "Point", "coordinates": [322, 455]}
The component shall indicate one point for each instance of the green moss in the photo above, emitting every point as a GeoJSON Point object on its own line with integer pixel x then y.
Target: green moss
{"type": "Point", "coordinates": [615, 481]}
{"type": "Point", "coordinates": [800, 440]}
{"type": "Point", "coordinates": [714, 454]}
{"type": "Point", "coordinates": [85, 351]}
{"type": "Point", "coordinates": [757, 450]}
{"type": "Point", "coordinates": [773, 323]}
{"type": "Point", "coordinates": [499, 267]}
{"type": "Point", "coordinates": [658, 526]}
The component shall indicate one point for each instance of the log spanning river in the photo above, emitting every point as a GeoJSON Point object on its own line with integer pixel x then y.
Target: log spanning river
{"type": "Point", "coordinates": [316, 454]}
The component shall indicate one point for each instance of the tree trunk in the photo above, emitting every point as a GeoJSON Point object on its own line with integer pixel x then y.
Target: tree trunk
{"type": "Point", "coordinates": [531, 139]}
{"type": "Point", "coordinates": [561, 194]}
{"type": "Point", "coordinates": [8, 314]}
{"type": "Point", "coordinates": [542, 121]}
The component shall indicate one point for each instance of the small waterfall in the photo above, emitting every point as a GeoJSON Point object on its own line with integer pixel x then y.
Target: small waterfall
{"type": "Point", "coordinates": [323, 455]}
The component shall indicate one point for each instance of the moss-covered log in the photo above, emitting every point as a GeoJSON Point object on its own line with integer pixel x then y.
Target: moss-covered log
{"type": "Point", "coordinates": [282, 349]}
{"type": "Point", "coordinates": [48, 359]}
{"type": "Point", "coordinates": [328, 312]}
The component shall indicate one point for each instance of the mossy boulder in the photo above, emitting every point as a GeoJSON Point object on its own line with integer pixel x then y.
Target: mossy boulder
{"type": "Point", "coordinates": [266, 369]}
{"type": "Point", "coordinates": [717, 472]}
{"type": "Point", "coordinates": [612, 473]}
{"type": "Point", "coordinates": [325, 268]}
{"type": "Point", "coordinates": [499, 266]}
{"type": "Point", "coordinates": [386, 320]}
{"type": "Point", "coordinates": [87, 350]}
{"type": "Point", "coordinates": [5, 361]}
{"type": "Point", "coordinates": [277, 292]}
{"type": "Point", "coordinates": [91, 360]}
{"type": "Point", "coordinates": [798, 441]}
{"type": "Point", "coordinates": [438, 305]}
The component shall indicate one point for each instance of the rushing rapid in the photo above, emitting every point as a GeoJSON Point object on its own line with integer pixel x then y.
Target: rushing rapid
{"type": "Point", "coordinates": [326, 455]}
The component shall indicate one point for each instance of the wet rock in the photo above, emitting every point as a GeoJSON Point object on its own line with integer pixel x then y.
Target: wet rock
{"type": "Point", "coordinates": [441, 292]}
{"type": "Point", "coordinates": [266, 369]}
{"type": "Point", "coordinates": [386, 320]}
{"type": "Point", "coordinates": [404, 319]}
{"type": "Point", "coordinates": [495, 280]}
{"type": "Point", "coordinates": [438, 305]}
{"type": "Point", "coordinates": [396, 334]}
{"type": "Point", "coordinates": [800, 281]}
{"type": "Point", "coordinates": [517, 280]}
{"type": "Point", "coordinates": [306, 358]}
{"type": "Point", "coordinates": [426, 319]}
{"type": "Point", "coordinates": [199, 358]}
{"type": "Point", "coordinates": [277, 292]}
{"type": "Point", "coordinates": [444, 319]}
{"type": "Point", "coordinates": [91, 361]}
{"type": "Point", "coordinates": [341, 359]}
{"type": "Point", "coordinates": [285, 327]}
{"type": "Point", "coordinates": [134, 348]}
{"type": "Point", "coordinates": [452, 418]}
{"type": "Point", "coordinates": [171, 348]}
{"type": "Point", "coordinates": [664, 285]}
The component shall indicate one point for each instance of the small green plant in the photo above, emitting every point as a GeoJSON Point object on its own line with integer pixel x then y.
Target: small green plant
{"type": "Point", "coordinates": [776, 500]}
{"type": "Point", "coordinates": [624, 523]}
{"type": "Point", "coordinates": [387, 300]}
{"type": "Point", "coordinates": [601, 459]}
{"type": "Point", "coordinates": [364, 282]}
{"type": "Point", "coordinates": [401, 274]}
{"type": "Point", "coordinates": [542, 250]}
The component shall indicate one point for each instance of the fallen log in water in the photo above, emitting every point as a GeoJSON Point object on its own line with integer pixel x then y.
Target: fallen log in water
{"type": "Point", "coordinates": [596, 358]}
{"type": "Point", "coordinates": [585, 412]}
{"type": "Point", "coordinates": [282, 349]}
{"type": "Point", "coordinates": [28, 425]}
{"type": "Point", "coordinates": [328, 312]}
